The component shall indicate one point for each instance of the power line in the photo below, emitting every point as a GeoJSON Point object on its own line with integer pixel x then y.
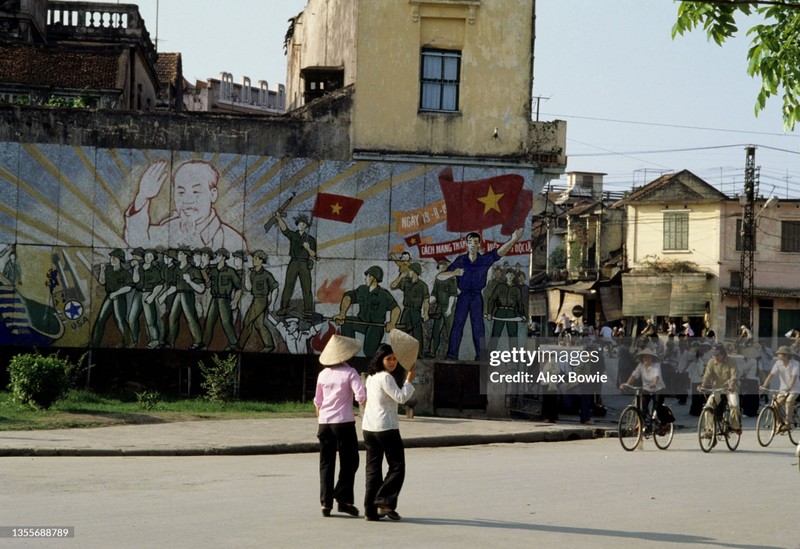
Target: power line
{"type": "Point", "coordinates": [678, 126]}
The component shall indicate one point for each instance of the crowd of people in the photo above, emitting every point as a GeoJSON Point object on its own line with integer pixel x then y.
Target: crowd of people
{"type": "Point", "coordinates": [669, 361]}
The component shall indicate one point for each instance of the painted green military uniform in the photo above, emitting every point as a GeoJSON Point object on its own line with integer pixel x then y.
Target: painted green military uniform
{"type": "Point", "coordinates": [263, 284]}
{"type": "Point", "coordinates": [372, 308]}
{"type": "Point", "coordinates": [222, 283]}
{"type": "Point", "coordinates": [415, 293]}
{"type": "Point", "coordinates": [299, 268]}
{"type": "Point", "coordinates": [151, 279]}
{"type": "Point", "coordinates": [185, 303]}
{"type": "Point", "coordinates": [114, 280]}
{"type": "Point", "coordinates": [506, 303]}
{"type": "Point", "coordinates": [443, 291]}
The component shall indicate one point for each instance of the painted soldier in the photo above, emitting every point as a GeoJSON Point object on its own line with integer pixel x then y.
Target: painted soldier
{"type": "Point", "coordinates": [443, 298]}
{"type": "Point", "coordinates": [135, 313]}
{"type": "Point", "coordinates": [506, 309]}
{"type": "Point", "coordinates": [117, 282]}
{"type": "Point", "coordinates": [374, 303]}
{"type": "Point", "coordinates": [302, 253]}
{"type": "Point", "coordinates": [415, 302]}
{"type": "Point", "coordinates": [224, 284]}
{"type": "Point", "coordinates": [264, 289]}
{"type": "Point", "coordinates": [188, 283]}
{"type": "Point", "coordinates": [152, 286]}
{"type": "Point", "coordinates": [169, 270]}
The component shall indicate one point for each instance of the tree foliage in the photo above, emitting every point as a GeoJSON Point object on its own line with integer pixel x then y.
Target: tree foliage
{"type": "Point", "coordinates": [774, 53]}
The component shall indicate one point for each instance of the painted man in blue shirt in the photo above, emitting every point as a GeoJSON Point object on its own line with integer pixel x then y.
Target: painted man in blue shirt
{"type": "Point", "coordinates": [471, 269]}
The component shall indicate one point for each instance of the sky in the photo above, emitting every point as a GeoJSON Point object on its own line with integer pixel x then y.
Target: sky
{"type": "Point", "coordinates": [637, 103]}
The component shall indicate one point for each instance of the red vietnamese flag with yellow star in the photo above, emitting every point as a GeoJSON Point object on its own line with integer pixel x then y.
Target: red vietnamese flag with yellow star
{"type": "Point", "coordinates": [479, 204]}
{"type": "Point", "coordinates": [336, 207]}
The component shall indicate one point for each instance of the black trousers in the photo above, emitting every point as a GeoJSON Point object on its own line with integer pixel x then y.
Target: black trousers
{"type": "Point", "coordinates": [337, 438]}
{"type": "Point", "coordinates": [383, 491]}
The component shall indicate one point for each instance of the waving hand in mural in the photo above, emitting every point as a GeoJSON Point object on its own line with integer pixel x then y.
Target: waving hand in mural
{"type": "Point", "coordinates": [151, 182]}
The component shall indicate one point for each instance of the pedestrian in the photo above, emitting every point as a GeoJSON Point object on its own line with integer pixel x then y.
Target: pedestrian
{"type": "Point", "coordinates": [338, 384]}
{"type": "Point", "coordinates": [381, 427]}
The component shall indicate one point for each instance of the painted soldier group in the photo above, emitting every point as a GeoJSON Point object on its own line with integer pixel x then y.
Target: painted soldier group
{"type": "Point", "coordinates": [196, 290]}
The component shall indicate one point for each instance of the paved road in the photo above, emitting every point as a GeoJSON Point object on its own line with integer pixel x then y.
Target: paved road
{"type": "Point", "coordinates": [587, 493]}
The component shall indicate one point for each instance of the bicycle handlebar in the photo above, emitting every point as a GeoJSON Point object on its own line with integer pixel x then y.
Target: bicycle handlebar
{"type": "Point", "coordinates": [638, 389]}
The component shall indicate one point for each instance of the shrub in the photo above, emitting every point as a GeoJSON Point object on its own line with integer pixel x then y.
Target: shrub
{"type": "Point", "coordinates": [39, 380]}
{"type": "Point", "coordinates": [147, 400]}
{"type": "Point", "coordinates": [220, 378]}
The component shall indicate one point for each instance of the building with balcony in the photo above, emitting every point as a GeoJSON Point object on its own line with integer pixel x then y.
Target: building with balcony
{"type": "Point", "coordinates": [86, 53]}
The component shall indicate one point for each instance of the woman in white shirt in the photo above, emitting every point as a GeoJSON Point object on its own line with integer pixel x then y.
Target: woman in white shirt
{"type": "Point", "coordinates": [382, 434]}
{"type": "Point", "coordinates": [649, 371]}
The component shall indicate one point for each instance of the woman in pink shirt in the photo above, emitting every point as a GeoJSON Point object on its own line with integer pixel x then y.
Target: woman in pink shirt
{"type": "Point", "coordinates": [337, 386]}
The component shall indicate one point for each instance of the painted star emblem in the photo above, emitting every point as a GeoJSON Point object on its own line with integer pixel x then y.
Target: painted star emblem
{"type": "Point", "coordinates": [73, 310]}
{"type": "Point", "coordinates": [336, 208]}
{"type": "Point", "coordinates": [491, 201]}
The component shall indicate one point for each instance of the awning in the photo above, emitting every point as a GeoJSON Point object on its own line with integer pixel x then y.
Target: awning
{"type": "Point", "coordinates": [537, 304]}
{"type": "Point", "coordinates": [646, 295]}
{"type": "Point", "coordinates": [611, 302]}
{"type": "Point", "coordinates": [678, 294]}
{"type": "Point", "coordinates": [689, 294]}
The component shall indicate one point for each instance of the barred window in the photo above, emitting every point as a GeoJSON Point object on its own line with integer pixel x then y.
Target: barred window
{"type": "Point", "coordinates": [439, 80]}
{"type": "Point", "coordinates": [790, 236]}
{"type": "Point", "coordinates": [676, 230]}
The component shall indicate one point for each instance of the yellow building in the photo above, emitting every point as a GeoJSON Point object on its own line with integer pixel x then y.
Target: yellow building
{"type": "Point", "coordinates": [683, 249]}
{"type": "Point", "coordinates": [431, 78]}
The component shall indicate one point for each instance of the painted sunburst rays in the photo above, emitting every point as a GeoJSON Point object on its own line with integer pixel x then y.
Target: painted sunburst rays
{"type": "Point", "coordinates": [65, 195]}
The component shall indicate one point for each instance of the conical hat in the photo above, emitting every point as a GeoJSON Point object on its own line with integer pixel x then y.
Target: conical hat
{"type": "Point", "coordinates": [405, 348]}
{"type": "Point", "coordinates": [338, 350]}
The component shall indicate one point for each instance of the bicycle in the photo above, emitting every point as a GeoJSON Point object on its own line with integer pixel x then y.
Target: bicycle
{"type": "Point", "coordinates": [772, 416]}
{"type": "Point", "coordinates": [634, 425]}
{"type": "Point", "coordinates": [714, 424]}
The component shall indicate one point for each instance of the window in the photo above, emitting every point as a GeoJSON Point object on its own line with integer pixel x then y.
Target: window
{"type": "Point", "coordinates": [676, 230]}
{"type": "Point", "coordinates": [439, 80]}
{"type": "Point", "coordinates": [739, 236]}
{"type": "Point", "coordinates": [790, 236]}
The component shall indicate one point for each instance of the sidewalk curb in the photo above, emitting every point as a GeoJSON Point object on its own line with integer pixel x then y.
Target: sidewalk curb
{"type": "Point", "coordinates": [559, 435]}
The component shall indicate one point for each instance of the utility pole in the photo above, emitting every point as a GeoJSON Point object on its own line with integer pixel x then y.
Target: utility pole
{"type": "Point", "coordinates": [748, 237]}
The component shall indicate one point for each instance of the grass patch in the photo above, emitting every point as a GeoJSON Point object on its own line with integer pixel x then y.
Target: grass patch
{"type": "Point", "coordinates": [87, 409]}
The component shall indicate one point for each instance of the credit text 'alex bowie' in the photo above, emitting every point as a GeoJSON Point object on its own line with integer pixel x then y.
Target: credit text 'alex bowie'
{"type": "Point", "coordinates": [543, 377]}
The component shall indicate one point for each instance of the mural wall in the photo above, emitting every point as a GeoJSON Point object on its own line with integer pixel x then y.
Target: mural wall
{"type": "Point", "coordinates": [165, 249]}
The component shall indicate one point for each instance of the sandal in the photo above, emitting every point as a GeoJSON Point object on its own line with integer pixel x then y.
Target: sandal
{"type": "Point", "coordinates": [326, 511]}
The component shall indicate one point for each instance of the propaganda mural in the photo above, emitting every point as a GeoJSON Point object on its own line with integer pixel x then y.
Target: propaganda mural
{"type": "Point", "coordinates": [164, 249]}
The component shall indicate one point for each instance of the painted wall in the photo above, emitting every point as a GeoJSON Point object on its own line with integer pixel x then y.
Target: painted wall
{"type": "Point", "coordinates": [72, 218]}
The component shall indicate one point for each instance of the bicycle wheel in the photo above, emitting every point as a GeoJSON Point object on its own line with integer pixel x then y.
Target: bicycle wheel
{"type": "Point", "coordinates": [794, 427]}
{"type": "Point", "coordinates": [663, 441]}
{"type": "Point", "coordinates": [706, 429]}
{"type": "Point", "coordinates": [630, 428]}
{"type": "Point", "coordinates": [732, 436]}
{"type": "Point", "coordinates": [765, 426]}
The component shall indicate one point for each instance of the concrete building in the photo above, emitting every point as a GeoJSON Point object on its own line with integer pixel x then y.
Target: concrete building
{"type": "Point", "coordinates": [683, 249]}
{"type": "Point", "coordinates": [76, 53]}
{"type": "Point", "coordinates": [433, 80]}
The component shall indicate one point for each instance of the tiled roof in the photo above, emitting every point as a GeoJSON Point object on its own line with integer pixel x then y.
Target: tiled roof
{"type": "Point", "coordinates": [766, 292]}
{"type": "Point", "coordinates": [59, 68]}
{"type": "Point", "coordinates": [169, 68]}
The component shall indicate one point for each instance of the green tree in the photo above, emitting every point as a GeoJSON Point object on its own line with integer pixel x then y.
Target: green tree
{"type": "Point", "coordinates": [774, 54]}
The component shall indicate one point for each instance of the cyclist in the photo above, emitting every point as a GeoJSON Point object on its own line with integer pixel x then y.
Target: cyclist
{"type": "Point", "coordinates": [649, 371]}
{"type": "Point", "coordinates": [788, 370]}
{"type": "Point", "coordinates": [721, 373]}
